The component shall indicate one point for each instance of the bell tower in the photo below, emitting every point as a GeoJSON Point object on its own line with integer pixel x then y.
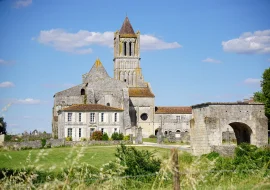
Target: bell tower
{"type": "Point", "coordinates": [127, 56]}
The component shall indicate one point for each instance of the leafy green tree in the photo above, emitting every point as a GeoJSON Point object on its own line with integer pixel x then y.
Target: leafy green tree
{"type": "Point", "coordinates": [264, 95]}
{"type": "Point", "coordinates": [3, 126]}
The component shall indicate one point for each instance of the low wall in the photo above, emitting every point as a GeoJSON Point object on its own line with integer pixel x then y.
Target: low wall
{"type": "Point", "coordinates": [2, 139]}
{"type": "Point", "coordinates": [19, 145]}
{"type": "Point", "coordinates": [57, 143]}
{"type": "Point", "coordinates": [224, 150]}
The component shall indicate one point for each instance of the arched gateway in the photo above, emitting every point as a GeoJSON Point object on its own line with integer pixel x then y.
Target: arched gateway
{"type": "Point", "coordinates": [210, 120]}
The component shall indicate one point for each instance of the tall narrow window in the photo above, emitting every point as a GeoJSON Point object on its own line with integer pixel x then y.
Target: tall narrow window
{"type": "Point", "coordinates": [129, 48]}
{"type": "Point", "coordinates": [92, 117]}
{"type": "Point", "coordinates": [102, 130]}
{"type": "Point", "coordinates": [102, 117]}
{"type": "Point", "coordinates": [69, 116]}
{"type": "Point", "coordinates": [125, 48]}
{"type": "Point", "coordinates": [80, 132]}
{"type": "Point", "coordinates": [115, 117]}
{"type": "Point", "coordinates": [80, 117]}
{"type": "Point", "coordinates": [69, 132]}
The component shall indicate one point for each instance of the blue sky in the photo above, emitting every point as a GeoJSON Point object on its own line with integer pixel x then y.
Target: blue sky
{"type": "Point", "coordinates": [192, 51]}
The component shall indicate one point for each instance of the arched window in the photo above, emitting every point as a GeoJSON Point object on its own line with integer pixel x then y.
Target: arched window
{"type": "Point", "coordinates": [108, 104]}
{"type": "Point", "coordinates": [82, 92]}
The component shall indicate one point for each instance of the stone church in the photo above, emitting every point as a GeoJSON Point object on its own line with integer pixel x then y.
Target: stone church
{"type": "Point", "coordinates": [119, 104]}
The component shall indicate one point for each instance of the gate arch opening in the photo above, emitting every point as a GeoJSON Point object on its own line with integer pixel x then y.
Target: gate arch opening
{"type": "Point", "coordinates": [242, 132]}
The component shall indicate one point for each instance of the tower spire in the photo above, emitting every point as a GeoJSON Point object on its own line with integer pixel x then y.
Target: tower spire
{"type": "Point", "coordinates": [126, 27]}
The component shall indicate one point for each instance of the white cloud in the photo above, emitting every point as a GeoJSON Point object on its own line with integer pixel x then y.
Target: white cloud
{"type": "Point", "coordinates": [27, 101]}
{"type": "Point", "coordinates": [6, 84]}
{"type": "Point", "coordinates": [149, 42]}
{"type": "Point", "coordinates": [80, 42]}
{"type": "Point", "coordinates": [5, 62]}
{"type": "Point", "coordinates": [210, 60]}
{"type": "Point", "coordinates": [252, 81]}
{"type": "Point", "coordinates": [249, 43]}
{"type": "Point", "coordinates": [23, 3]}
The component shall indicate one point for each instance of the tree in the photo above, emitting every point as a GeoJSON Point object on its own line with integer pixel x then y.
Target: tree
{"type": "Point", "coordinates": [264, 95]}
{"type": "Point", "coordinates": [3, 126]}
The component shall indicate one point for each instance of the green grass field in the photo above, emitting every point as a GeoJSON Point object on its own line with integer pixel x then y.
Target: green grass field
{"type": "Point", "coordinates": [63, 157]}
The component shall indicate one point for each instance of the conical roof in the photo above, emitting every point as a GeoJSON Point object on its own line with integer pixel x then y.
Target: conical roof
{"type": "Point", "coordinates": [126, 27]}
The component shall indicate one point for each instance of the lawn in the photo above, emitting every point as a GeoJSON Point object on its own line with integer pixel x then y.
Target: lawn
{"type": "Point", "coordinates": [63, 157]}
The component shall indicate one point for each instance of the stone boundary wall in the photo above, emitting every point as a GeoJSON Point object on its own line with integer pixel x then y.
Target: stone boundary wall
{"type": "Point", "coordinates": [224, 150]}
{"type": "Point", "coordinates": [2, 139]}
{"type": "Point", "coordinates": [19, 145]}
{"type": "Point", "coordinates": [58, 143]}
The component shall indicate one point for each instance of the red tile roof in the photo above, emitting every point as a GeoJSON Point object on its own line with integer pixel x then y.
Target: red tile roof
{"type": "Point", "coordinates": [173, 110]}
{"type": "Point", "coordinates": [91, 107]}
{"type": "Point", "coordinates": [140, 92]}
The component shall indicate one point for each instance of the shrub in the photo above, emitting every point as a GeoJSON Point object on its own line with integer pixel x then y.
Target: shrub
{"type": "Point", "coordinates": [43, 142]}
{"type": "Point", "coordinates": [83, 139]}
{"type": "Point", "coordinates": [152, 136]}
{"type": "Point", "coordinates": [117, 136]}
{"type": "Point", "coordinates": [8, 137]}
{"type": "Point", "coordinates": [138, 162]}
{"type": "Point", "coordinates": [96, 135]}
{"type": "Point", "coordinates": [68, 138]}
{"type": "Point", "coordinates": [105, 137]}
{"type": "Point", "coordinates": [127, 138]}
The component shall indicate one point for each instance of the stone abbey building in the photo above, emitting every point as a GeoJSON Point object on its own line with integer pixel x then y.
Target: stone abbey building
{"type": "Point", "coordinates": [126, 102]}
{"type": "Point", "coordinates": [119, 104]}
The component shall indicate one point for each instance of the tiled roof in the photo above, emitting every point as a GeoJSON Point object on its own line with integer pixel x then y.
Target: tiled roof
{"type": "Point", "coordinates": [126, 27]}
{"type": "Point", "coordinates": [173, 110]}
{"type": "Point", "coordinates": [140, 92]}
{"type": "Point", "coordinates": [91, 107]}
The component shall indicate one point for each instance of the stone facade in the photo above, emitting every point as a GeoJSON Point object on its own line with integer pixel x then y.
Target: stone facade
{"type": "Point", "coordinates": [210, 120]}
{"type": "Point", "coordinates": [2, 139]}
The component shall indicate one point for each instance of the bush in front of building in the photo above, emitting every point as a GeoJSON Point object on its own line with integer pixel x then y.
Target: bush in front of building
{"type": "Point", "coordinates": [105, 137]}
{"type": "Point", "coordinates": [96, 135]}
{"type": "Point", "coordinates": [68, 138]}
{"type": "Point", "coordinates": [127, 138]}
{"type": "Point", "coordinates": [152, 136]}
{"type": "Point", "coordinates": [117, 136]}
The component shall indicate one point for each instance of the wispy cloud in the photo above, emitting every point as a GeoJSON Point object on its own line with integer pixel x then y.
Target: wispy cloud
{"type": "Point", "coordinates": [252, 81]}
{"type": "Point", "coordinates": [22, 3]}
{"type": "Point", "coordinates": [27, 101]}
{"type": "Point", "coordinates": [6, 84]}
{"type": "Point", "coordinates": [249, 43]}
{"type": "Point", "coordinates": [82, 41]}
{"type": "Point", "coordinates": [5, 62]}
{"type": "Point", "coordinates": [210, 60]}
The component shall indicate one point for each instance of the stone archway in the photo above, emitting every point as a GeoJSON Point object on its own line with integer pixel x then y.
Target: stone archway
{"type": "Point", "coordinates": [242, 132]}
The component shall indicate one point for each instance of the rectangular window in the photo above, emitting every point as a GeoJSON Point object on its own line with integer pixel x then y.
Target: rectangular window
{"type": "Point", "coordinates": [115, 130]}
{"type": "Point", "coordinates": [69, 132]}
{"type": "Point", "coordinates": [178, 118]}
{"type": "Point", "coordinates": [102, 130]}
{"type": "Point", "coordinates": [80, 132]}
{"type": "Point", "coordinates": [92, 117]}
{"type": "Point", "coordinates": [69, 116]}
{"type": "Point", "coordinates": [102, 117]}
{"type": "Point", "coordinates": [80, 117]}
{"type": "Point", "coordinates": [115, 117]}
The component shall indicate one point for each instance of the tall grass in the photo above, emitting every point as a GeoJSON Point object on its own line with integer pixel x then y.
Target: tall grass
{"type": "Point", "coordinates": [248, 169]}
